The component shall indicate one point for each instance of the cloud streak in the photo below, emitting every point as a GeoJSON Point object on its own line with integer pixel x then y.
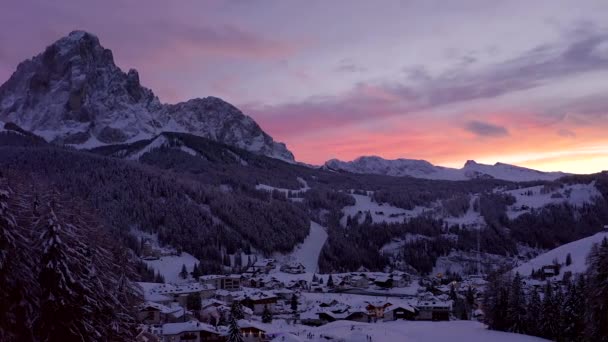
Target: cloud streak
{"type": "Point", "coordinates": [484, 129]}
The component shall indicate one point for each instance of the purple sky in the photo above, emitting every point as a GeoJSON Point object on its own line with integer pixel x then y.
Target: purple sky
{"type": "Point", "coordinates": [524, 82]}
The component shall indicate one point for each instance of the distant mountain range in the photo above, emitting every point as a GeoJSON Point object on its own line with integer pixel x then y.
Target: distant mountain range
{"type": "Point", "coordinates": [424, 169]}
{"type": "Point", "coordinates": [74, 94]}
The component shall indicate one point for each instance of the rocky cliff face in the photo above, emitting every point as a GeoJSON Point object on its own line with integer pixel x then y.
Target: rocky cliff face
{"type": "Point", "coordinates": [73, 93]}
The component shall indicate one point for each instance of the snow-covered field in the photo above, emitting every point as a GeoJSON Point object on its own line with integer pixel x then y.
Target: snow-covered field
{"type": "Point", "coordinates": [410, 331]}
{"type": "Point", "coordinates": [381, 212]}
{"type": "Point", "coordinates": [170, 266]}
{"type": "Point", "coordinates": [308, 252]}
{"type": "Point", "coordinates": [578, 250]}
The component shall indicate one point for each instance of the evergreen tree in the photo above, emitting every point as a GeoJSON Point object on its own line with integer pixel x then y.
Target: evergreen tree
{"type": "Point", "coordinates": [516, 311]}
{"type": "Point", "coordinates": [60, 312]}
{"type": "Point", "coordinates": [234, 332]}
{"type": "Point", "coordinates": [294, 303]}
{"type": "Point", "coordinates": [266, 315]}
{"type": "Point", "coordinates": [330, 281]}
{"type": "Point", "coordinates": [16, 281]}
{"type": "Point", "coordinates": [184, 272]}
{"type": "Point", "coordinates": [533, 314]}
{"type": "Point", "coordinates": [196, 273]}
{"type": "Point", "coordinates": [470, 296]}
{"type": "Point", "coordinates": [597, 293]}
{"type": "Point", "coordinates": [236, 310]}
{"type": "Point", "coordinates": [549, 314]}
{"type": "Point", "coordinates": [453, 295]}
{"type": "Point", "coordinates": [568, 259]}
{"type": "Point", "coordinates": [573, 314]}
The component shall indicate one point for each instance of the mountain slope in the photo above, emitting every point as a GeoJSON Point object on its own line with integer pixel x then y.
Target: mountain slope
{"type": "Point", "coordinates": [426, 170]}
{"type": "Point", "coordinates": [578, 250]}
{"type": "Point", "coordinates": [73, 93]}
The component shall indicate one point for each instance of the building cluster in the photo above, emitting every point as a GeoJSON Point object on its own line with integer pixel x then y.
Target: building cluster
{"type": "Point", "coordinates": [199, 310]}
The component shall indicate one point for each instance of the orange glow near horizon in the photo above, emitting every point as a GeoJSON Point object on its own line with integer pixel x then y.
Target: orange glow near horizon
{"type": "Point", "coordinates": [528, 144]}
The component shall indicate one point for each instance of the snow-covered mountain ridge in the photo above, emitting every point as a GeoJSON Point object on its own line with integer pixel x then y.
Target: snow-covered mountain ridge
{"type": "Point", "coordinates": [424, 169]}
{"type": "Point", "coordinates": [73, 93]}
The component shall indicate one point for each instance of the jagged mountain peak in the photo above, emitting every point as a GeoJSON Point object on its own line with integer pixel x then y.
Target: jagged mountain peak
{"type": "Point", "coordinates": [73, 93]}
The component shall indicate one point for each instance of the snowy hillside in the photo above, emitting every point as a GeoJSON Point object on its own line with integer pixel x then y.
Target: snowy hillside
{"type": "Point", "coordinates": [307, 253]}
{"type": "Point", "coordinates": [578, 250]}
{"type": "Point", "coordinates": [73, 93]}
{"type": "Point", "coordinates": [539, 196]}
{"type": "Point", "coordinates": [424, 169]}
{"type": "Point", "coordinates": [380, 212]}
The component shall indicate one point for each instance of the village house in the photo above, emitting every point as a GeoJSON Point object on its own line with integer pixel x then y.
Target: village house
{"type": "Point", "coordinates": [293, 268]}
{"type": "Point", "coordinates": [148, 252]}
{"type": "Point", "coordinates": [231, 282]}
{"type": "Point", "coordinates": [384, 281]}
{"type": "Point", "coordinates": [376, 310]}
{"type": "Point", "coordinates": [252, 332]}
{"type": "Point", "coordinates": [155, 313]}
{"type": "Point", "coordinates": [359, 281]}
{"type": "Point", "coordinates": [263, 266]}
{"type": "Point", "coordinates": [179, 293]}
{"type": "Point", "coordinates": [550, 270]}
{"type": "Point", "coordinates": [400, 311]}
{"type": "Point", "coordinates": [192, 331]}
{"type": "Point", "coordinates": [434, 310]}
{"type": "Point", "coordinates": [258, 301]}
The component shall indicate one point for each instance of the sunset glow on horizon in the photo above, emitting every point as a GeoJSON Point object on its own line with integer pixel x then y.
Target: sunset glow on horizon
{"type": "Point", "coordinates": [517, 82]}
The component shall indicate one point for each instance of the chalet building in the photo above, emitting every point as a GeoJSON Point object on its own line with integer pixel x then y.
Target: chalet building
{"type": "Point", "coordinates": [252, 332]}
{"type": "Point", "coordinates": [359, 281]}
{"type": "Point", "coordinates": [356, 315]}
{"type": "Point", "coordinates": [230, 282]}
{"type": "Point", "coordinates": [433, 311]}
{"type": "Point", "coordinates": [263, 266]}
{"type": "Point", "coordinates": [293, 268]}
{"type": "Point", "coordinates": [395, 312]}
{"type": "Point", "coordinates": [148, 252]}
{"type": "Point", "coordinates": [376, 310]}
{"type": "Point", "coordinates": [550, 270]}
{"type": "Point", "coordinates": [179, 293]}
{"type": "Point", "coordinates": [384, 281]}
{"type": "Point", "coordinates": [155, 313]}
{"type": "Point", "coordinates": [192, 331]}
{"type": "Point", "coordinates": [258, 301]}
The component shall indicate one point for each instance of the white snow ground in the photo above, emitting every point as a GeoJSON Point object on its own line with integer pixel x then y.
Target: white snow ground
{"type": "Point", "coordinates": [381, 212]}
{"type": "Point", "coordinates": [170, 266]}
{"type": "Point", "coordinates": [410, 331]}
{"type": "Point", "coordinates": [578, 250]}
{"type": "Point", "coordinates": [576, 195]}
{"type": "Point", "coordinates": [307, 253]}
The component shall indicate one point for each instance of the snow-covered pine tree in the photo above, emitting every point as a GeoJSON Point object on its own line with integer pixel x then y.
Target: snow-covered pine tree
{"type": "Point", "coordinates": [549, 313]}
{"type": "Point", "coordinates": [184, 272]}
{"type": "Point", "coordinates": [266, 315]}
{"type": "Point", "coordinates": [196, 273]}
{"type": "Point", "coordinates": [516, 310]}
{"type": "Point", "coordinates": [330, 281]}
{"type": "Point", "coordinates": [572, 313]}
{"type": "Point", "coordinates": [234, 332]}
{"type": "Point", "coordinates": [533, 314]}
{"type": "Point", "coordinates": [597, 293]}
{"type": "Point", "coordinates": [60, 312]}
{"type": "Point", "coordinates": [16, 280]}
{"type": "Point", "coordinates": [236, 310]}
